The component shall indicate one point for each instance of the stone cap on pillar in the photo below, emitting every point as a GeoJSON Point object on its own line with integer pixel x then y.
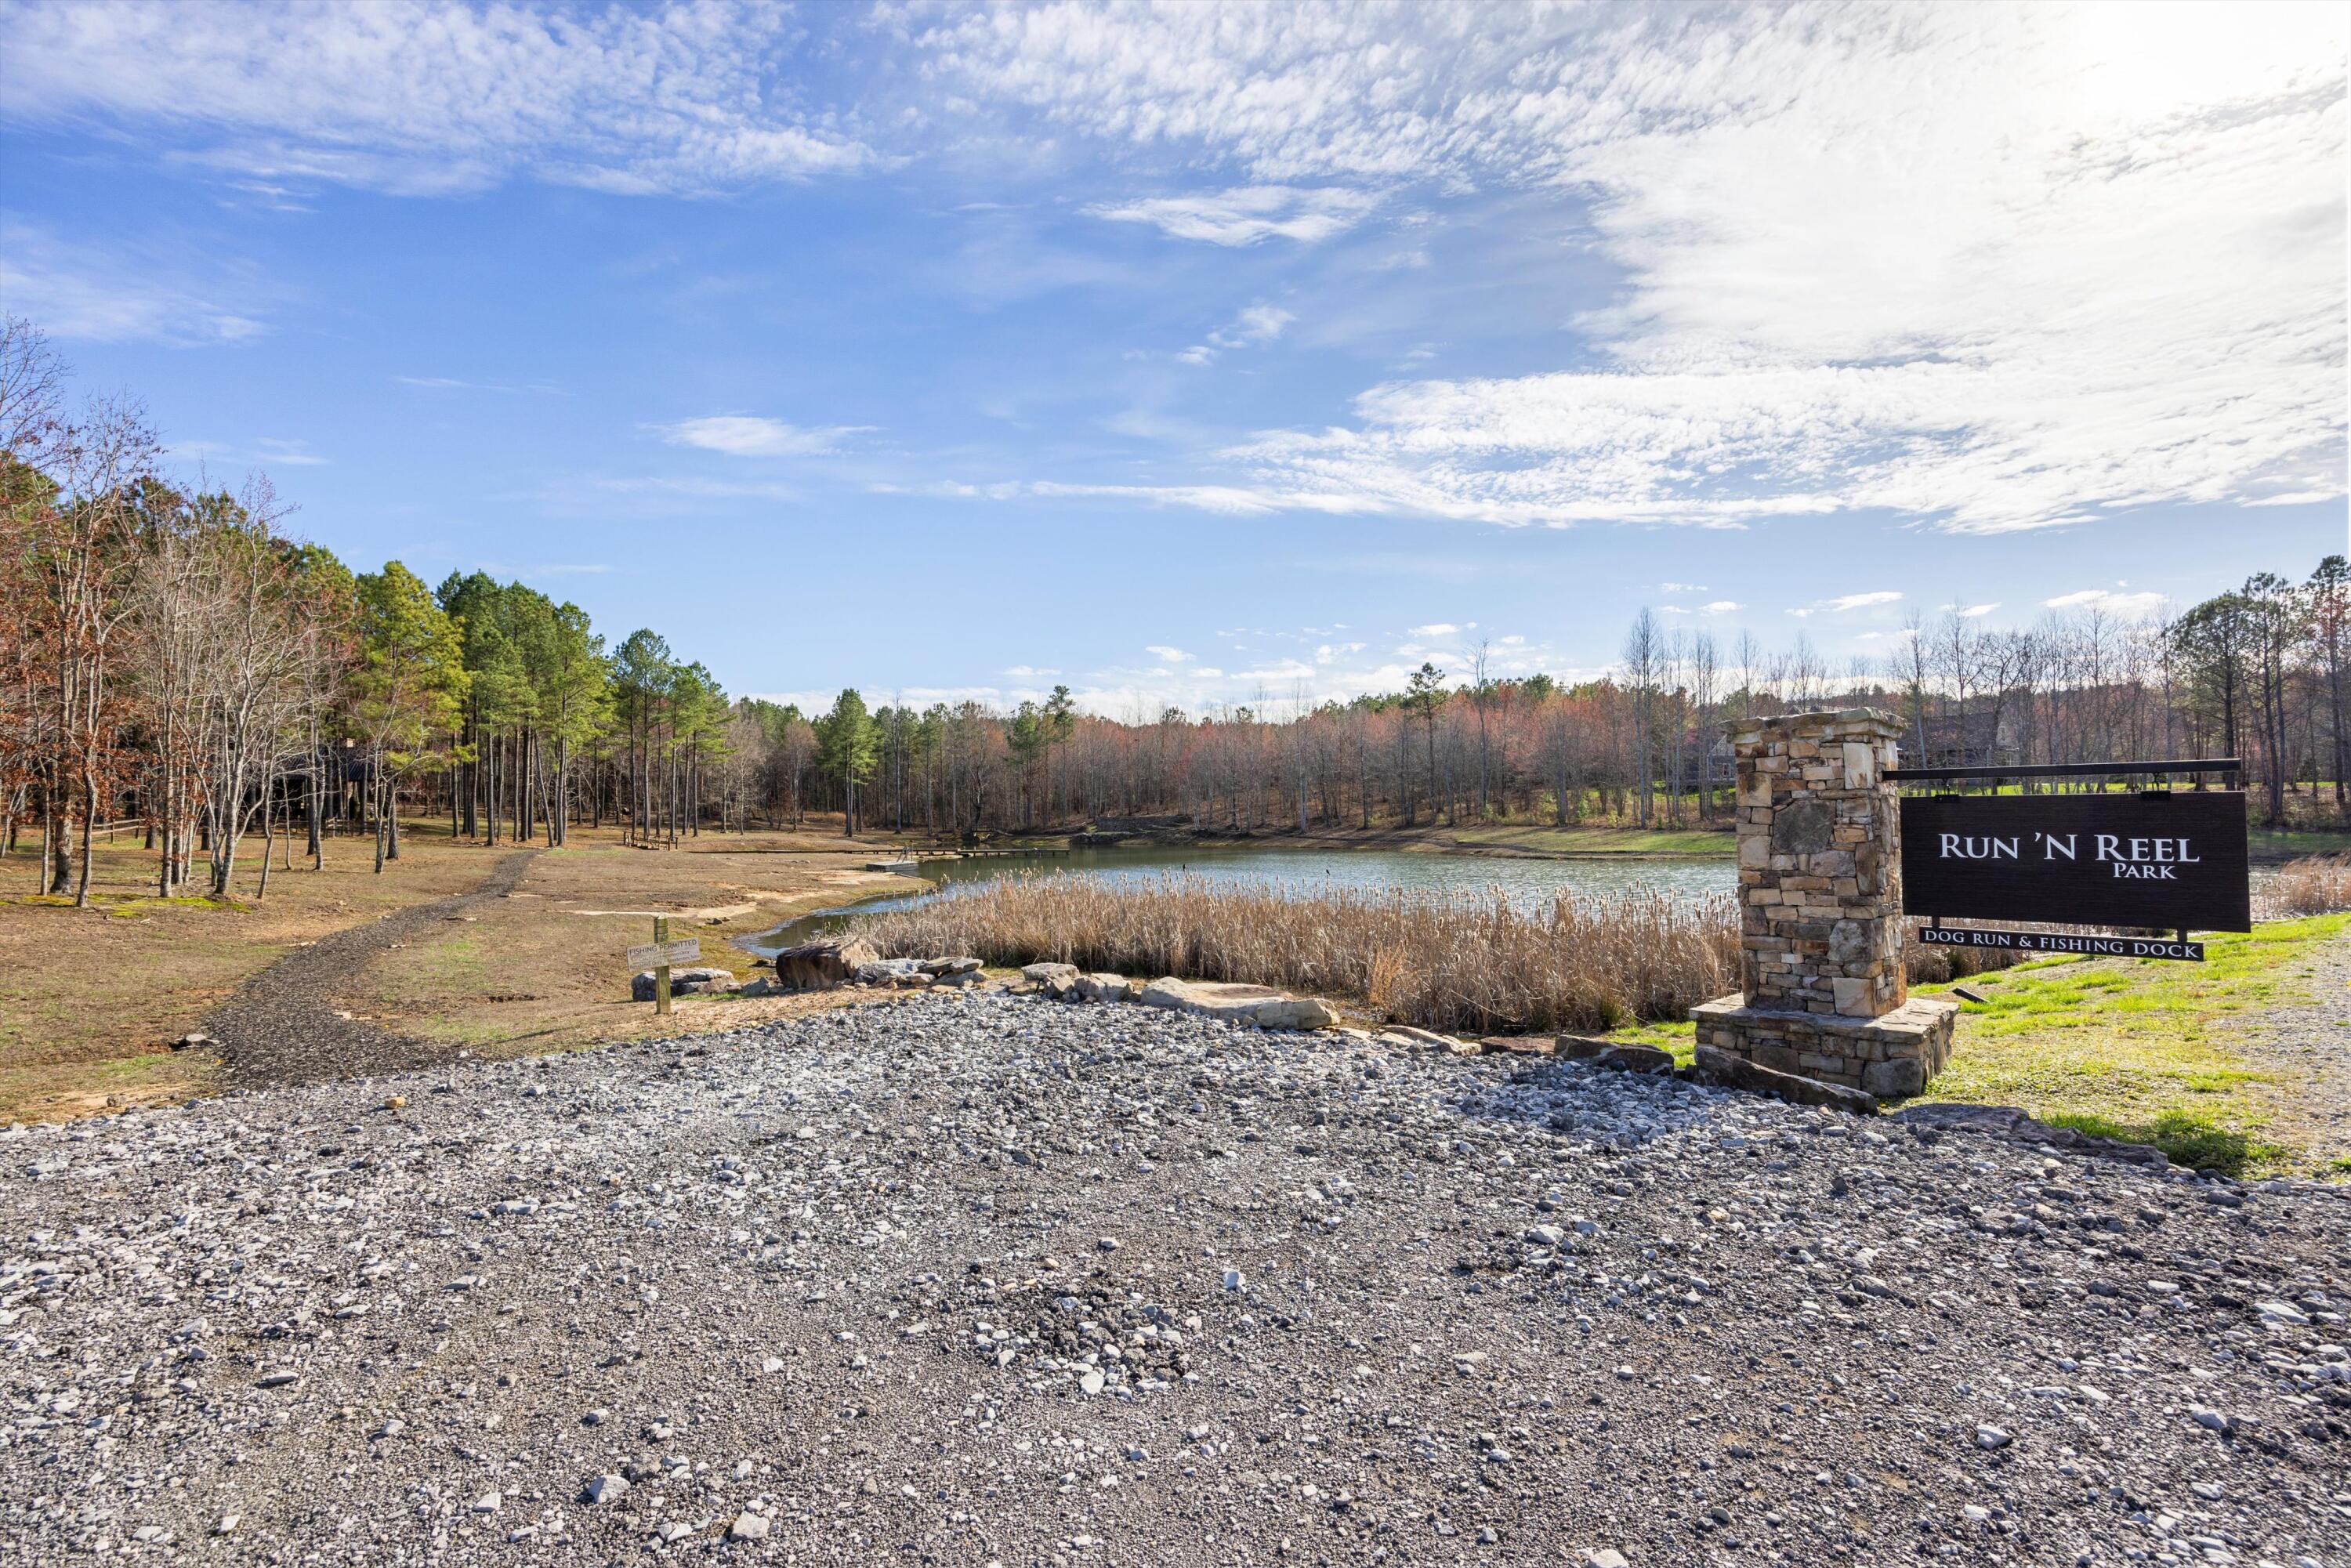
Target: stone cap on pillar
{"type": "Point", "coordinates": [1873, 722]}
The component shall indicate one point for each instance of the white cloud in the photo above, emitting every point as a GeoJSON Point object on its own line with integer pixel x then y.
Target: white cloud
{"type": "Point", "coordinates": [1719, 607]}
{"type": "Point", "coordinates": [1435, 629]}
{"type": "Point", "coordinates": [1247, 214]}
{"type": "Point", "coordinates": [1255, 324]}
{"type": "Point", "coordinates": [420, 97]}
{"type": "Point", "coordinates": [1167, 655]}
{"type": "Point", "coordinates": [1972, 610]}
{"type": "Point", "coordinates": [1681, 588]}
{"type": "Point", "coordinates": [2000, 267]}
{"type": "Point", "coordinates": [1849, 602]}
{"type": "Point", "coordinates": [747, 435]}
{"type": "Point", "coordinates": [2130, 605]}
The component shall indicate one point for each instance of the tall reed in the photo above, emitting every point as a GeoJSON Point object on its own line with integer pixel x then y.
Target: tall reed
{"type": "Point", "coordinates": [1465, 963]}
{"type": "Point", "coordinates": [2319, 884]}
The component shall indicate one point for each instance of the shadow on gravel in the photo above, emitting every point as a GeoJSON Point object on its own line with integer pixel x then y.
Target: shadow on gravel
{"type": "Point", "coordinates": [281, 1027]}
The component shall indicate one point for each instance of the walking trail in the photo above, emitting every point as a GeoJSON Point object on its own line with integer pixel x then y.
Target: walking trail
{"type": "Point", "coordinates": [282, 1027]}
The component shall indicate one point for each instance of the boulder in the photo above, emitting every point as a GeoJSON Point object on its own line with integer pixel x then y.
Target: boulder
{"type": "Point", "coordinates": [1726, 1070]}
{"type": "Point", "coordinates": [1042, 974]}
{"type": "Point", "coordinates": [960, 980]}
{"type": "Point", "coordinates": [683, 982]}
{"type": "Point", "coordinates": [820, 964]}
{"type": "Point", "coordinates": [1233, 1003]}
{"type": "Point", "coordinates": [1107, 988]}
{"type": "Point", "coordinates": [949, 965]}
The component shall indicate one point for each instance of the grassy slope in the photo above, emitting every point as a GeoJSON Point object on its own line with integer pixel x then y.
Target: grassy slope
{"type": "Point", "coordinates": [2141, 1050]}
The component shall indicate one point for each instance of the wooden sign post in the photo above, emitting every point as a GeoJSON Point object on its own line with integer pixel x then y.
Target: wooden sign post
{"type": "Point", "coordinates": [661, 955]}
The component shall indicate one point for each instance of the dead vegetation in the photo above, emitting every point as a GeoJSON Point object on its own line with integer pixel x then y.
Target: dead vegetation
{"type": "Point", "coordinates": [1474, 964]}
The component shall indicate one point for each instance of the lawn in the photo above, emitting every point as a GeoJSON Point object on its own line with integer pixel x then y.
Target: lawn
{"type": "Point", "coordinates": [2148, 1051]}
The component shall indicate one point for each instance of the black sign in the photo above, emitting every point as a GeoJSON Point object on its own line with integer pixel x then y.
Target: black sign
{"type": "Point", "coordinates": [1984, 938]}
{"type": "Point", "coordinates": [2162, 860]}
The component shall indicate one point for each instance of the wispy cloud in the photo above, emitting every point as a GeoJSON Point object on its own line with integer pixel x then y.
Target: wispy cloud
{"type": "Point", "coordinates": [1248, 213]}
{"type": "Point", "coordinates": [421, 98]}
{"type": "Point", "coordinates": [1256, 324]}
{"type": "Point", "coordinates": [454, 383]}
{"type": "Point", "coordinates": [265, 451]}
{"type": "Point", "coordinates": [121, 291]}
{"type": "Point", "coordinates": [2111, 600]}
{"type": "Point", "coordinates": [748, 435]}
{"type": "Point", "coordinates": [1848, 601]}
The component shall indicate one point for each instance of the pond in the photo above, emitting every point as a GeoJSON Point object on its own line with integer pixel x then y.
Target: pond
{"type": "Point", "coordinates": [1523, 880]}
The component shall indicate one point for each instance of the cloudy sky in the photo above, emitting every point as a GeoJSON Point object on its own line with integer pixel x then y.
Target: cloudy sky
{"type": "Point", "coordinates": [1195, 353]}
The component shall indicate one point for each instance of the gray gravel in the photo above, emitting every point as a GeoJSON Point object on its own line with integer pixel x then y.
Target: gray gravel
{"type": "Point", "coordinates": [980, 1278]}
{"type": "Point", "coordinates": [283, 1027]}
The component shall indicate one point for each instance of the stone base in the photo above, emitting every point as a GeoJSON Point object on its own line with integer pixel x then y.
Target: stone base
{"type": "Point", "coordinates": [1889, 1056]}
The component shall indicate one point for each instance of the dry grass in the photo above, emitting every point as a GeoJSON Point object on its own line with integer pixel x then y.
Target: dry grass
{"type": "Point", "coordinates": [1471, 963]}
{"type": "Point", "coordinates": [2320, 885]}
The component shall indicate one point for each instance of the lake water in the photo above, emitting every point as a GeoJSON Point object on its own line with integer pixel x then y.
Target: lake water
{"type": "Point", "coordinates": [1523, 880]}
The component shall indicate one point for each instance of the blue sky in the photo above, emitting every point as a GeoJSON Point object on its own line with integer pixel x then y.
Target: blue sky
{"type": "Point", "coordinates": [1202, 354]}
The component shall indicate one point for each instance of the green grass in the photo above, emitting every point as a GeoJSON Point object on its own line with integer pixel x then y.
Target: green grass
{"type": "Point", "coordinates": [1602, 840]}
{"type": "Point", "coordinates": [2265, 845]}
{"type": "Point", "coordinates": [2140, 1051]}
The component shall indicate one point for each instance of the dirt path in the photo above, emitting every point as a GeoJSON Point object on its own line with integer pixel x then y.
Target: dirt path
{"type": "Point", "coordinates": [283, 1028]}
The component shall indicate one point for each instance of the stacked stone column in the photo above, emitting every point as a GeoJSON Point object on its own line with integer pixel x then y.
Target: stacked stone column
{"type": "Point", "coordinates": [1819, 896]}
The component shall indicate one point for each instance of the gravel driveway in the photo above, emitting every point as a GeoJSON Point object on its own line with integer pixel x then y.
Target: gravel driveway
{"type": "Point", "coordinates": [982, 1279]}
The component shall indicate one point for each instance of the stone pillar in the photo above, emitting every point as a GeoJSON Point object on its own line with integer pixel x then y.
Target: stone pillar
{"type": "Point", "coordinates": [1820, 911]}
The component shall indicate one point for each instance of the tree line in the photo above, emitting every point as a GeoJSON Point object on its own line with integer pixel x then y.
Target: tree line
{"type": "Point", "coordinates": [2256, 673]}
{"type": "Point", "coordinates": [170, 656]}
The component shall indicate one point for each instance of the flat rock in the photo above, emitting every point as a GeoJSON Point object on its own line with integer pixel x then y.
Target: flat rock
{"type": "Point", "coordinates": [1628, 1056]}
{"type": "Point", "coordinates": [1726, 1070]}
{"type": "Point", "coordinates": [1518, 1045]}
{"type": "Point", "coordinates": [1230, 1002]}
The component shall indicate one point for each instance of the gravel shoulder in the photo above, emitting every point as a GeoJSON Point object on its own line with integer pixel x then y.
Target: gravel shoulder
{"type": "Point", "coordinates": [2308, 1045]}
{"type": "Point", "coordinates": [984, 1279]}
{"type": "Point", "coordinates": [283, 1026]}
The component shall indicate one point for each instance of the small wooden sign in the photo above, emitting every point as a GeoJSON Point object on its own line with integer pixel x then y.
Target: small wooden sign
{"type": "Point", "coordinates": [660, 955]}
{"type": "Point", "coordinates": [1985, 939]}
